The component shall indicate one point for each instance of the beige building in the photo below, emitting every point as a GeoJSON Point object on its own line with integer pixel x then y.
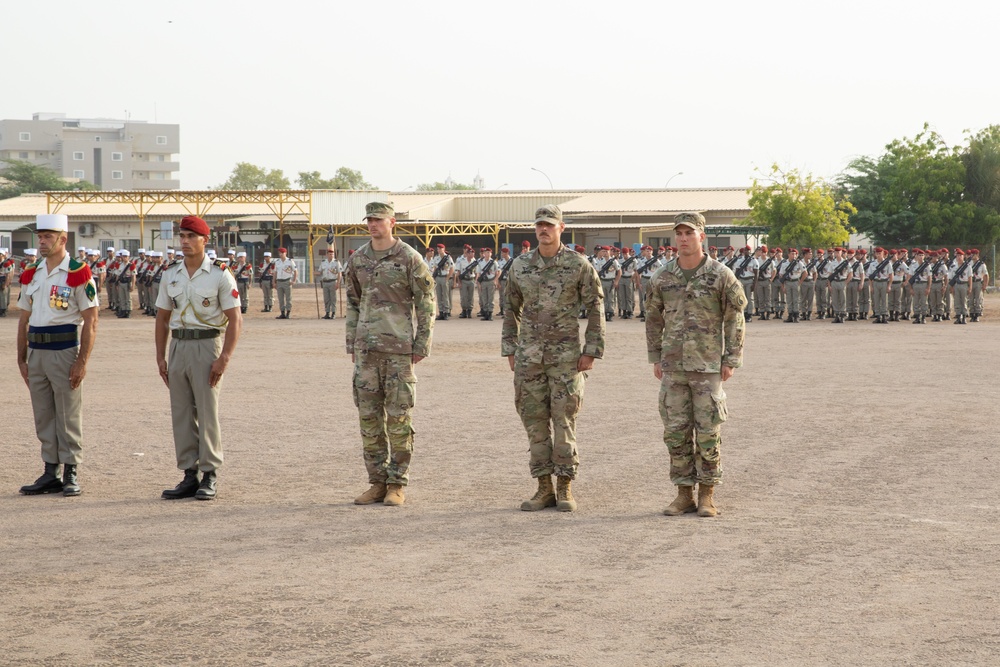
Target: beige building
{"type": "Point", "coordinates": [111, 154]}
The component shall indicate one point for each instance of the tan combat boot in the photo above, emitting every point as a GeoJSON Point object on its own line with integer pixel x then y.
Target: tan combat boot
{"type": "Point", "coordinates": [373, 495]}
{"type": "Point", "coordinates": [544, 497]}
{"type": "Point", "coordinates": [564, 495]}
{"type": "Point", "coordinates": [705, 505]}
{"type": "Point", "coordinates": [683, 503]}
{"type": "Point", "coordinates": [394, 495]}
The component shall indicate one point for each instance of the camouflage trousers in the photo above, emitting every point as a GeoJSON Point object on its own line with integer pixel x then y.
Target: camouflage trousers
{"type": "Point", "coordinates": [384, 391]}
{"type": "Point", "coordinates": [548, 399]}
{"type": "Point", "coordinates": [693, 408]}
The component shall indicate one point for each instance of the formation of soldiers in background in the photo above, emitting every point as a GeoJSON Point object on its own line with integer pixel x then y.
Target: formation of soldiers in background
{"type": "Point", "coordinates": [845, 285]}
{"type": "Point", "coordinates": [839, 284]}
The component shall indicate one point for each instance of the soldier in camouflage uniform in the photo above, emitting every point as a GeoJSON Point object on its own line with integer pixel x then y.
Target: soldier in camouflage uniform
{"type": "Point", "coordinates": [694, 337]}
{"type": "Point", "coordinates": [541, 340]}
{"type": "Point", "coordinates": [389, 286]}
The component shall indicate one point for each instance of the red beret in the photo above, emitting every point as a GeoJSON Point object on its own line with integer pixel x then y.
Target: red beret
{"type": "Point", "coordinates": [820, 252]}
{"type": "Point", "coordinates": [662, 248]}
{"type": "Point", "coordinates": [805, 250]}
{"type": "Point", "coordinates": [487, 250]}
{"type": "Point", "coordinates": [467, 247]}
{"type": "Point", "coordinates": [647, 247]}
{"type": "Point", "coordinates": [505, 249]}
{"type": "Point", "coordinates": [778, 249]}
{"type": "Point", "coordinates": [350, 252]}
{"type": "Point", "coordinates": [795, 250]}
{"type": "Point", "coordinates": [973, 251]}
{"type": "Point", "coordinates": [747, 248]}
{"type": "Point", "coordinates": [195, 224]}
{"type": "Point", "coordinates": [712, 247]}
{"type": "Point", "coordinates": [850, 251]}
{"type": "Point", "coordinates": [440, 245]}
{"type": "Point", "coordinates": [959, 251]}
{"type": "Point", "coordinates": [580, 249]}
{"type": "Point", "coordinates": [918, 251]}
{"type": "Point", "coordinates": [282, 249]}
{"type": "Point", "coordinates": [862, 252]}
{"type": "Point", "coordinates": [525, 244]}
{"type": "Point", "coordinates": [763, 247]}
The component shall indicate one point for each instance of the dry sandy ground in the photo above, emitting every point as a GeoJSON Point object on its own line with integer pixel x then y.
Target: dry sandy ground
{"type": "Point", "coordinates": [859, 524]}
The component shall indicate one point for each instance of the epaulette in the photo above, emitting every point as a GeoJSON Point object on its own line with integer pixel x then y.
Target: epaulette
{"type": "Point", "coordinates": [29, 272]}
{"type": "Point", "coordinates": [79, 273]}
{"type": "Point", "coordinates": [222, 265]}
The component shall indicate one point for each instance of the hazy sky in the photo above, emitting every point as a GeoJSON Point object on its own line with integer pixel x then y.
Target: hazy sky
{"type": "Point", "coordinates": [610, 94]}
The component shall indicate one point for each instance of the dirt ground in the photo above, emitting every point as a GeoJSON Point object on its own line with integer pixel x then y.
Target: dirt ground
{"type": "Point", "coordinates": [859, 526]}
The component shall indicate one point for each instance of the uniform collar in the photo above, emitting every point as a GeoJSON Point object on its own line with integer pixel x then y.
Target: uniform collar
{"type": "Point", "coordinates": [538, 261]}
{"type": "Point", "coordinates": [369, 251]}
{"type": "Point", "coordinates": [63, 265]}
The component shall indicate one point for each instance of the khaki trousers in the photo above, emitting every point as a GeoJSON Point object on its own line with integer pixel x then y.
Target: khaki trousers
{"type": "Point", "coordinates": [244, 288]}
{"type": "Point", "coordinates": [267, 287]}
{"type": "Point", "coordinates": [487, 291]}
{"type": "Point", "coordinates": [58, 409]}
{"type": "Point", "coordinates": [962, 298]}
{"type": "Point", "coordinates": [880, 297]}
{"type": "Point", "coordinates": [284, 289]}
{"type": "Point", "coordinates": [442, 290]}
{"type": "Point", "coordinates": [330, 297]}
{"type": "Point", "coordinates": [466, 293]}
{"type": "Point", "coordinates": [194, 405]}
{"type": "Point", "coordinates": [807, 290]}
{"type": "Point", "coordinates": [976, 304]}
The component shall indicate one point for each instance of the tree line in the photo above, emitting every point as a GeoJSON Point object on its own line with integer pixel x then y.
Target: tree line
{"type": "Point", "coordinates": [919, 191]}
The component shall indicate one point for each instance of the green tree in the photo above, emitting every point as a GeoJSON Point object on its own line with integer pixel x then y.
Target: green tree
{"type": "Point", "coordinates": [446, 185]}
{"type": "Point", "coordinates": [248, 176]}
{"type": "Point", "coordinates": [798, 210]}
{"type": "Point", "coordinates": [19, 177]}
{"type": "Point", "coordinates": [344, 179]}
{"type": "Point", "coordinates": [921, 191]}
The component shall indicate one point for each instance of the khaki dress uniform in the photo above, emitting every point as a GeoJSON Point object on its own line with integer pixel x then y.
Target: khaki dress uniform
{"type": "Point", "coordinates": [647, 267]}
{"type": "Point", "coordinates": [284, 272]}
{"type": "Point", "coordinates": [980, 280]}
{"type": "Point", "coordinates": [762, 294]}
{"type": "Point", "coordinates": [962, 277]}
{"type": "Point", "coordinates": [266, 271]}
{"type": "Point", "coordinates": [488, 269]}
{"type": "Point", "coordinates": [939, 286]}
{"type": "Point", "coordinates": [197, 306]}
{"type": "Point", "coordinates": [244, 278]}
{"type": "Point", "coordinates": [919, 271]}
{"type": "Point", "coordinates": [329, 277]}
{"type": "Point", "coordinates": [745, 270]}
{"type": "Point", "coordinates": [896, 311]}
{"type": "Point", "coordinates": [856, 284]}
{"type": "Point", "coordinates": [56, 302]}
{"type": "Point", "coordinates": [6, 278]}
{"type": "Point", "coordinates": [502, 265]}
{"type": "Point", "coordinates": [465, 273]}
{"type": "Point", "coordinates": [626, 287]}
{"type": "Point", "coordinates": [880, 288]}
{"type": "Point", "coordinates": [607, 269]}
{"type": "Point", "coordinates": [440, 266]}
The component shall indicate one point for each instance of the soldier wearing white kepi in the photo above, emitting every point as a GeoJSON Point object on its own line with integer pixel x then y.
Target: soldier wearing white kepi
{"type": "Point", "coordinates": [243, 272]}
{"type": "Point", "coordinates": [286, 274]}
{"type": "Point", "coordinates": [488, 271]}
{"type": "Point", "coordinates": [329, 274]}
{"type": "Point", "coordinates": [980, 281]}
{"type": "Point", "coordinates": [465, 280]}
{"type": "Point", "coordinates": [57, 296]}
{"type": "Point", "coordinates": [266, 280]}
{"type": "Point", "coordinates": [198, 302]}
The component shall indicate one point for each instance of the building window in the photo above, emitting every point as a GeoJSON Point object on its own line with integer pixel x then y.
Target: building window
{"type": "Point", "coordinates": [78, 173]}
{"type": "Point", "coordinates": [116, 175]}
{"type": "Point", "coordinates": [26, 136]}
{"type": "Point", "coordinates": [77, 155]}
{"type": "Point", "coordinates": [161, 158]}
{"type": "Point", "coordinates": [158, 176]}
{"type": "Point", "coordinates": [116, 157]}
{"type": "Point", "coordinates": [160, 140]}
{"type": "Point", "coordinates": [97, 139]}
{"type": "Point", "coordinates": [23, 155]}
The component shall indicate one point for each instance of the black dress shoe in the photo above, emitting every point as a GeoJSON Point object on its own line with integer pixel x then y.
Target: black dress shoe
{"type": "Point", "coordinates": [49, 482]}
{"type": "Point", "coordinates": [186, 489]}
{"type": "Point", "coordinates": [207, 489]}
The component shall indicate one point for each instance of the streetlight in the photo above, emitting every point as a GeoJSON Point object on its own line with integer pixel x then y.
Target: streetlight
{"type": "Point", "coordinates": [679, 173]}
{"type": "Point", "coordinates": [500, 186]}
{"type": "Point", "coordinates": [546, 176]}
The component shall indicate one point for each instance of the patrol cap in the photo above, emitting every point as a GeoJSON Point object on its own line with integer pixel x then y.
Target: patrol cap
{"type": "Point", "coordinates": [379, 210]}
{"type": "Point", "coordinates": [241, 254]}
{"type": "Point", "coordinates": [692, 219]}
{"type": "Point", "coordinates": [51, 222]}
{"type": "Point", "coordinates": [267, 254]}
{"type": "Point", "coordinates": [549, 214]}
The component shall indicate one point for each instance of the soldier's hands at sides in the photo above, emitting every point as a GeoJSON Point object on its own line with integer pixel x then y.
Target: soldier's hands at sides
{"type": "Point", "coordinates": [727, 372]}
{"type": "Point", "coordinates": [23, 367]}
{"type": "Point", "coordinates": [218, 368]}
{"type": "Point", "coordinates": [162, 365]}
{"type": "Point", "coordinates": [585, 363]}
{"type": "Point", "coordinates": [76, 374]}
{"type": "Point", "coordinates": [657, 371]}
{"type": "Point", "coordinates": [510, 360]}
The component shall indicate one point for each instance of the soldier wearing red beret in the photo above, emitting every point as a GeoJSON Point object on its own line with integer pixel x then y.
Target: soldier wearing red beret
{"type": "Point", "coordinates": [198, 309]}
{"type": "Point", "coordinates": [443, 271]}
{"type": "Point", "coordinates": [980, 281]}
{"type": "Point", "coordinates": [961, 285]}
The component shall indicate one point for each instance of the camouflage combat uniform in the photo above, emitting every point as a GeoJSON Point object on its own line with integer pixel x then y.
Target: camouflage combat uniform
{"type": "Point", "coordinates": [694, 327]}
{"type": "Point", "coordinates": [386, 291]}
{"type": "Point", "coordinates": [544, 297]}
